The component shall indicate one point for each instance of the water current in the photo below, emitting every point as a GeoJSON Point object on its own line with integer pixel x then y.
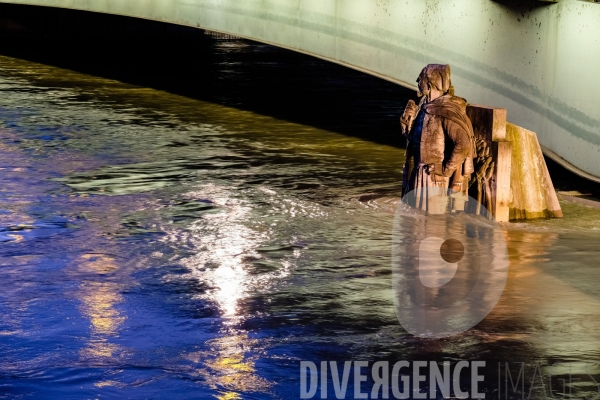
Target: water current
{"type": "Point", "coordinates": [158, 246]}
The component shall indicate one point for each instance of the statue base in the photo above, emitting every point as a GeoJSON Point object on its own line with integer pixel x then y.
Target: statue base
{"type": "Point", "coordinates": [519, 186]}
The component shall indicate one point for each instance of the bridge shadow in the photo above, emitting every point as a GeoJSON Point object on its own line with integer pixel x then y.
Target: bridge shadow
{"type": "Point", "coordinates": [186, 61]}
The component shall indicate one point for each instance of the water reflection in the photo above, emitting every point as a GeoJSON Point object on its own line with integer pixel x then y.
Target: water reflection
{"type": "Point", "coordinates": [229, 365]}
{"type": "Point", "coordinates": [556, 313]}
{"type": "Point", "coordinates": [449, 270]}
{"type": "Point", "coordinates": [209, 249]}
{"type": "Point", "coordinates": [99, 299]}
{"type": "Point", "coordinates": [225, 247]}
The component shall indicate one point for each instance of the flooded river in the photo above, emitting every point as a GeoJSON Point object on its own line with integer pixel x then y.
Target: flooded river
{"type": "Point", "coordinates": [159, 246]}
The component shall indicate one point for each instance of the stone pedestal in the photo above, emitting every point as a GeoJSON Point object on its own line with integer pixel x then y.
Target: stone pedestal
{"type": "Point", "coordinates": [489, 124]}
{"type": "Point", "coordinates": [532, 191]}
{"type": "Point", "coordinates": [520, 185]}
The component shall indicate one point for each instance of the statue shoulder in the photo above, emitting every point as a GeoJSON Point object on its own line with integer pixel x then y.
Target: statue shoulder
{"type": "Point", "coordinates": [445, 104]}
{"type": "Point", "coordinates": [454, 111]}
{"type": "Point", "coordinates": [459, 102]}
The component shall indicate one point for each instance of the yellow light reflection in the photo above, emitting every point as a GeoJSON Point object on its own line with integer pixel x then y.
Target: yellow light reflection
{"type": "Point", "coordinates": [107, 383]}
{"type": "Point", "coordinates": [226, 366]}
{"type": "Point", "coordinates": [101, 349]}
{"type": "Point", "coordinates": [229, 396]}
{"type": "Point", "coordinates": [17, 238]}
{"type": "Point", "coordinates": [98, 299]}
{"type": "Point", "coordinates": [98, 302]}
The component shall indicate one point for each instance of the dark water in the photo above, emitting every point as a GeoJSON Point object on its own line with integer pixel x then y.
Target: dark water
{"type": "Point", "coordinates": [158, 246]}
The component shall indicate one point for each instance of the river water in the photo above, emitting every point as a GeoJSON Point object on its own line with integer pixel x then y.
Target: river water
{"type": "Point", "coordinates": [158, 246]}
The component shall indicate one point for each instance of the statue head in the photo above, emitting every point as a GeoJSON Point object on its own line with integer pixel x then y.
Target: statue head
{"type": "Point", "coordinates": [436, 77]}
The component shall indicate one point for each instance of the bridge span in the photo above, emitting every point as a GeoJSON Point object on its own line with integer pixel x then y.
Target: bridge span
{"type": "Point", "coordinates": [538, 59]}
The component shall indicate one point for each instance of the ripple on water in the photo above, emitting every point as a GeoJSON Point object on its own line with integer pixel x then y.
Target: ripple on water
{"type": "Point", "coordinates": [175, 244]}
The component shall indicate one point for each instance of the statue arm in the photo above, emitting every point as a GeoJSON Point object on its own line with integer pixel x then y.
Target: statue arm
{"type": "Point", "coordinates": [461, 146]}
{"type": "Point", "coordinates": [408, 117]}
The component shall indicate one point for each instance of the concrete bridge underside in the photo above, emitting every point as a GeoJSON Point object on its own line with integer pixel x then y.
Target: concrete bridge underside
{"type": "Point", "coordinates": [539, 60]}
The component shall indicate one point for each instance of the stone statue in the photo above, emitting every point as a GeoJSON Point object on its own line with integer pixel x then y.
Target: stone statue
{"type": "Point", "coordinates": [484, 169]}
{"type": "Point", "coordinates": [440, 143]}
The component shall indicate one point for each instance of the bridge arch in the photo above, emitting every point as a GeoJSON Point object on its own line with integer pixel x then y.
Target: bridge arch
{"type": "Point", "coordinates": [536, 59]}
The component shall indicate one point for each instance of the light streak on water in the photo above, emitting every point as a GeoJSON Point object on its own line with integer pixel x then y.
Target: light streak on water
{"type": "Point", "coordinates": [152, 243]}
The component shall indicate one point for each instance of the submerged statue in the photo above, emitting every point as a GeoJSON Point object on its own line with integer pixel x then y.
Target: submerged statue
{"type": "Point", "coordinates": [440, 144]}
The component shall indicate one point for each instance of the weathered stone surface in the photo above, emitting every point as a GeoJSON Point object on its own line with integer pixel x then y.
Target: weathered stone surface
{"type": "Point", "coordinates": [532, 193]}
{"type": "Point", "coordinates": [520, 185]}
{"type": "Point", "coordinates": [502, 151]}
{"type": "Point", "coordinates": [489, 124]}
